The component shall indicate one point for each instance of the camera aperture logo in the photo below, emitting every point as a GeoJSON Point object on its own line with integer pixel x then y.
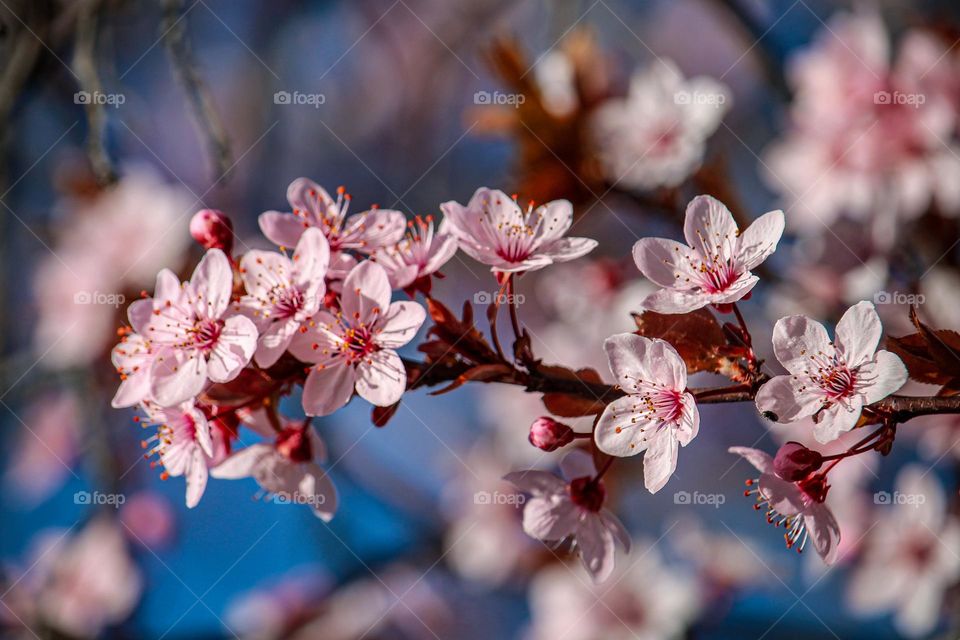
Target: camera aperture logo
{"type": "Point", "coordinates": [898, 297]}
{"type": "Point", "coordinates": [486, 297]}
{"type": "Point", "coordinates": [99, 98]}
{"type": "Point", "coordinates": [898, 498]}
{"type": "Point", "coordinates": [900, 98]}
{"type": "Point", "coordinates": [99, 498]}
{"type": "Point", "coordinates": [697, 498]}
{"type": "Point", "coordinates": [312, 499]}
{"type": "Point", "coordinates": [498, 497]}
{"type": "Point", "coordinates": [299, 98]}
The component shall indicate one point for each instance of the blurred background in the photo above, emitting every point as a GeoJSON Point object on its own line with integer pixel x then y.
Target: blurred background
{"type": "Point", "coordinates": [122, 119]}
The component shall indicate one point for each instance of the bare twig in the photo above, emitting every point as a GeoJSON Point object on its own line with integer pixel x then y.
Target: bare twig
{"type": "Point", "coordinates": [85, 66]}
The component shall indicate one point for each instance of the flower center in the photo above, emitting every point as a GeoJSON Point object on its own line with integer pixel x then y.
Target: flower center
{"type": "Point", "coordinates": [294, 444]}
{"type": "Point", "coordinates": [718, 275]}
{"type": "Point", "coordinates": [586, 493]}
{"type": "Point", "coordinates": [358, 342]}
{"type": "Point", "coordinates": [205, 334]}
{"type": "Point", "coordinates": [288, 302]}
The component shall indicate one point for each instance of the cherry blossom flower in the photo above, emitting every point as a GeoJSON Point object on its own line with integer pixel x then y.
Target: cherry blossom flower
{"type": "Point", "coordinates": [354, 348]}
{"type": "Point", "coordinates": [656, 415]}
{"type": "Point", "coordinates": [798, 506]}
{"type": "Point", "coordinates": [287, 469]}
{"type": "Point", "coordinates": [648, 599]}
{"type": "Point", "coordinates": [182, 443]}
{"type": "Point", "coordinates": [830, 381]}
{"type": "Point", "coordinates": [313, 207]}
{"type": "Point", "coordinates": [910, 560]}
{"type": "Point", "coordinates": [572, 508]}
{"type": "Point", "coordinates": [656, 136]}
{"type": "Point", "coordinates": [195, 337]}
{"type": "Point", "coordinates": [282, 293]}
{"type": "Point", "coordinates": [871, 130]}
{"type": "Point", "coordinates": [715, 267]}
{"type": "Point", "coordinates": [418, 254]}
{"type": "Point", "coordinates": [494, 230]}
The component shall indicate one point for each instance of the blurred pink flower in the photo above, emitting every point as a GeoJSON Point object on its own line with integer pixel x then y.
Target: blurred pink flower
{"type": "Point", "coordinates": [283, 293]}
{"type": "Point", "coordinates": [287, 469]}
{"type": "Point", "coordinates": [656, 136]}
{"type": "Point", "coordinates": [645, 599]}
{"type": "Point", "coordinates": [910, 560]}
{"type": "Point", "coordinates": [798, 505]}
{"type": "Point", "coordinates": [574, 508]}
{"type": "Point", "coordinates": [494, 230]}
{"type": "Point", "coordinates": [149, 518]}
{"type": "Point", "coordinates": [355, 348]}
{"type": "Point", "coordinates": [715, 267]}
{"type": "Point", "coordinates": [831, 381]}
{"type": "Point", "coordinates": [195, 337]}
{"type": "Point", "coordinates": [656, 415]}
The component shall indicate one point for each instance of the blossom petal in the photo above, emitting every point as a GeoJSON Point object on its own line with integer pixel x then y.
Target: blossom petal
{"type": "Point", "coordinates": [796, 339]}
{"type": "Point", "coordinates": [262, 272]}
{"type": "Point", "coordinates": [549, 518]}
{"type": "Point", "coordinates": [196, 477]}
{"type": "Point", "coordinates": [786, 399]}
{"type": "Point", "coordinates": [443, 248]}
{"type": "Point", "coordinates": [400, 324]}
{"type": "Point", "coordinates": [317, 488]}
{"type": "Point", "coordinates": [577, 464]}
{"type": "Point", "coordinates": [636, 358]}
{"type": "Point", "coordinates": [328, 388]}
{"type": "Point", "coordinates": [282, 229]}
{"type": "Point", "coordinates": [837, 419]}
{"type": "Point", "coordinates": [212, 284]}
{"type": "Point", "coordinates": [241, 464]}
{"type": "Point", "coordinates": [784, 497]}
{"type": "Point", "coordinates": [308, 197]}
{"type": "Point", "coordinates": [824, 531]}
{"type": "Point", "coordinates": [316, 341]}
{"type": "Point", "coordinates": [373, 229]}
{"type": "Point", "coordinates": [623, 427]}
{"type": "Point", "coordinates": [709, 228]}
{"type": "Point", "coordinates": [566, 249]}
{"type": "Point", "coordinates": [537, 483]}
{"type": "Point", "coordinates": [858, 333]}
{"type": "Point", "coordinates": [888, 374]}
{"type": "Point", "coordinates": [235, 346]}
{"type": "Point", "coordinates": [366, 293]}
{"type": "Point", "coordinates": [381, 378]}
{"type": "Point", "coordinates": [664, 262]}
{"type": "Point", "coordinates": [274, 341]}
{"type": "Point", "coordinates": [674, 301]}
{"type": "Point", "coordinates": [660, 460]}
{"type": "Point", "coordinates": [616, 527]}
{"type": "Point", "coordinates": [555, 218]}
{"type": "Point", "coordinates": [688, 426]}
{"type": "Point", "coordinates": [760, 239]}
{"type": "Point", "coordinates": [597, 548]}
{"type": "Point", "coordinates": [177, 376]}
{"type": "Point", "coordinates": [761, 460]}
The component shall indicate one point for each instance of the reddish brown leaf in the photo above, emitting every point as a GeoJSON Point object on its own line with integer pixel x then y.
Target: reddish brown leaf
{"type": "Point", "coordinates": [943, 345]}
{"type": "Point", "coordinates": [381, 415]}
{"type": "Point", "coordinates": [697, 336]}
{"type": "Point", "coordinates": [479, 373]}
{"type": "Point", "coordinates": [248, 386]}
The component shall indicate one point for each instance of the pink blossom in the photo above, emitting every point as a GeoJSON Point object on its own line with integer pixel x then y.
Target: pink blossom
{"type": "Point", "coordinates": [559, 509]}
{"type": "Point", "coordinates": [282, 293]}
{"type": "Point", "coordinates": [910, 562]}
{"type": "Point", "coordinates": [715, 267]}
{"type": "Point", "coordinates": [287, 469]}
{"type": "Point", "coordinates": [830, 381]}
{"type": "Point", "coordinates": [494, 230]}
{"type": "Point", "coordinates": [656, 415]}
{"type": "Point", "coordinates": [656, 136]}
{"type": "Point", "coordinates": [798, 506]}
{"type": "Point", "coordinates": [417, 255]}
{"type": "Point", "coordinates": [354, 348]}
{"type": "Point", "coordinates": [192, 333]}
{"type": "Point", "coordinates": [549, 435]}
{"type": "Point", "coordinates": [212, 229]}
{"type": "Point", "coordinates": [183, 444]}
{"type": "Point", "coordinates": [313, 207]}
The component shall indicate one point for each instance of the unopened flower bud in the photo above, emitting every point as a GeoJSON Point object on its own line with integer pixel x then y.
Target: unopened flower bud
{"type": "Point", "coordinates": [549, 435]}
{"type": "Point", "coordinates": [212, 229]}
{"type": "Point", "coordinates": [795, 462]}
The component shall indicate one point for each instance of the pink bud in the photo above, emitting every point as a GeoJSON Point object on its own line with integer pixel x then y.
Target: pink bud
{"type": "Point", "coordinates": [795, 462]}
{"type": "Point", "coordinates": [549, 435]}
{"type": "Point", "coordinates": [212, 229]}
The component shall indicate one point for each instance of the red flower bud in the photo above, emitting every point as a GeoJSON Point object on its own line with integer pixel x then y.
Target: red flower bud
{"type": "Point", "coordinates": [212, 229]}
{"type": "Point", "coordinates": [549, 435]}
{"type": "Point", "coordinates": [795, 462]}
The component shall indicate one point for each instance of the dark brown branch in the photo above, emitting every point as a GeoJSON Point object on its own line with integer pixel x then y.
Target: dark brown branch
{"type": "Point", "coordinates": [85, 66]}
